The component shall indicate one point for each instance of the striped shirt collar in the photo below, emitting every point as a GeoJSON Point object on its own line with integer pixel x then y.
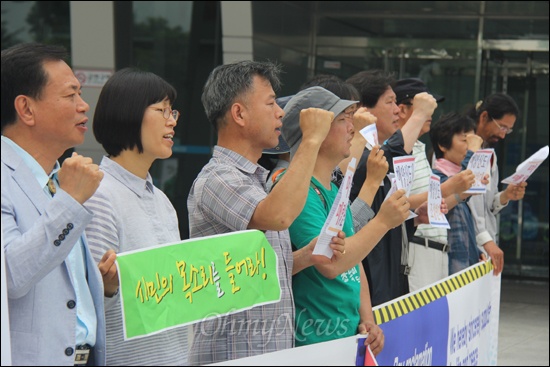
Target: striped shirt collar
{"type": "Point", "coordinates": [239, 162]}
{"type": "Point", "coordinates": [128, 179]}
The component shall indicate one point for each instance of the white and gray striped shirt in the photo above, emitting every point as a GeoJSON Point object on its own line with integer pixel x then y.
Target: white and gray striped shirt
{"type": "Point", "coordinates": [129, 214]}
{"type": "Point", "coordinates": [422, 173]}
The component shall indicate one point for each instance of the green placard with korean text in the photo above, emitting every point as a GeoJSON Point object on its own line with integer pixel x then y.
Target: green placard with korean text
{"type": "Point", "coordinates": [182, 283]}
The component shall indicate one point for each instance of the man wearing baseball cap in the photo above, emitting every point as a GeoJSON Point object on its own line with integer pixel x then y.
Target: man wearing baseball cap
{"type": "Point", "coordinates": [406, 89]}
{"type": "Point", "coordinates": [428, 248]}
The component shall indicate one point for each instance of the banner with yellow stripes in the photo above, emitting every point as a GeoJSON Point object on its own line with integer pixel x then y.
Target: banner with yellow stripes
{"type": "Point", "coordinates": [422, 297]}
{"type": "Point", "coordinates": [452, 322]}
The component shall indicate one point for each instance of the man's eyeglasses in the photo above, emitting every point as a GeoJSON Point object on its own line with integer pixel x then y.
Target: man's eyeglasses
{"type": "Point", "coordinates": [167, 112]}
{"type": "Point", "coordinates": [504, 129]}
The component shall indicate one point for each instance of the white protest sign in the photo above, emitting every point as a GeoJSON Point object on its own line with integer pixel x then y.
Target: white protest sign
{"type": "Point", "coordinates": [404, 176]}
{"type": "Point", "coordinates": [404, 172]}
{"type": "Point", "coordinates": [527, 168]}
{"type": "Point", "coordinates": [479, 164]}
{"type": "Point", "coordinates": [436, 218]}
{"type": "Point", "coordinates": [394, 188]}
{"type": "Point", "coordinates": [371, 135]}
{"type": "Point", "coordinates": [337, 214]}
{"type": "Point", "coordinates": [457, 328]}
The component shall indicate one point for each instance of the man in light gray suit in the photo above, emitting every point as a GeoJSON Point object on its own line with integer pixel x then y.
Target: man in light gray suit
{"type": "Point", "coordinates": [55, 289]}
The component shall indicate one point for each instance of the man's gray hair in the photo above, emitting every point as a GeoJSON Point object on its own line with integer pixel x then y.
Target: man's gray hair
{"type": "Point", "coordinates": [228, 82]}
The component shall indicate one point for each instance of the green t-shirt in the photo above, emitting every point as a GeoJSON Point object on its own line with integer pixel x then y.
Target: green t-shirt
{"type": "Point", "coordinates": [326, 309]}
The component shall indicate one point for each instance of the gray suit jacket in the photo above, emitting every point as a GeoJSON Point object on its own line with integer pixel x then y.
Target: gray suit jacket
{"type": "Point", "coordinates": [40, 291]}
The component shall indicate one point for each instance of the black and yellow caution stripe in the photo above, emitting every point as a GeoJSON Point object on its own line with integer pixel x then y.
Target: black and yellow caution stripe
{"type": "Point", "coordinates": [421, 298]}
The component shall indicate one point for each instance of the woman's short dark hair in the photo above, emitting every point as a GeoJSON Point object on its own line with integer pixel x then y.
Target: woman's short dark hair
{"type": "Point", "coordinates": [448, 125]}
{"type": "Point", "coordinates": [121, 107]}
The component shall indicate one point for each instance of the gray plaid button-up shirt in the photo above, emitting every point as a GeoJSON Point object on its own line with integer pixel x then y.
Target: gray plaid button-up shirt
{"type": "Point", "coordinates": [223, 199]}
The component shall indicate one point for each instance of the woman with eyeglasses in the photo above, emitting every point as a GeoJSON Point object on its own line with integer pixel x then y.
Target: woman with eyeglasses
{"type": "Point", "coordinates": [134, 122]}
{"type": "Point", "coordinates": [449, 137]}
{"type": "Point", "coordinates": [495, 117]}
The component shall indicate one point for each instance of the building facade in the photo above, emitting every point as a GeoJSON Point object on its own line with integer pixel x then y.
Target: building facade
{"type": "Point", "coordinates": [462, 50]}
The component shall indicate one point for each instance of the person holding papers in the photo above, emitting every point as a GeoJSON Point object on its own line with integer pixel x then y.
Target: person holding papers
{"type": "Point", "coordinates": [386, 266]}
{"type": "Point", "coordinates": [134, 122]}
{"type": "Point", "coordinates": [450, 144]}
{"type": "Point", "coordinates": [377, 168]}
{"type": "Point", "coordinates": [495, 117]}
{"type": "Point", "coordinates": [332, 299]}
{"type": "Point", "coordinates": [229, 195]}
{"type": "Point", "coordinates": [377, 163]}
{"type": "Point", "coordinates": [428, 252]}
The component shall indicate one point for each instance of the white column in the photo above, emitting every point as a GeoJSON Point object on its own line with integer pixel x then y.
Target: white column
{"type": "Point", "coordinates": [236, 31]}
{"type": "Point", "coordinates": [93, 51]}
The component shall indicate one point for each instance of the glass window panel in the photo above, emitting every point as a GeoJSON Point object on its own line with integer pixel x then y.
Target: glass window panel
{"type": "Point", "coordinates": [281, 18]}
{"type": "Point", "coordinates": [36, 21]}
{"type": "Point", "coordinates": [294, 64]}
{"type": "Point", "coordinates": [403, 28]}
{"type": "Point", "coordinates": [516, 29]}
{"type": "Point", "coordinates": [161, 38]}
{"type": "Point", "coordinates": [391, 8]}
{"type": "Point", "coordinates": [517, 8]}
{"type": "Point", "coordinates": [534, 208]}
{"type": "Point", "coordinates": [282, 34]}
{"type": "Point", "coordinates": [281, 24]}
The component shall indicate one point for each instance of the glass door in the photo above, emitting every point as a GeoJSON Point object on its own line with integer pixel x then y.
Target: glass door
{"type": "Point", "coordinates": [523, 224]}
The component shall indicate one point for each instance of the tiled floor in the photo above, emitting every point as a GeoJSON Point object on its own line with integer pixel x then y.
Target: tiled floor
{"type": "Point", "coordinates": [523, 329]}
